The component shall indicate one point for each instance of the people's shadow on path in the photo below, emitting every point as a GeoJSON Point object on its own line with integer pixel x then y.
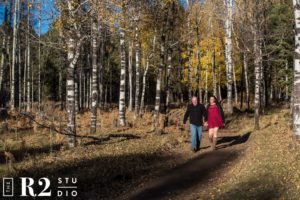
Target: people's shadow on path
{"type": "Point", "coordinates": [227, 141]}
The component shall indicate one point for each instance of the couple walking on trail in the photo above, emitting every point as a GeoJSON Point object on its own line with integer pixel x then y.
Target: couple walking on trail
{"type": "Point", "coordinates": [211, 116]}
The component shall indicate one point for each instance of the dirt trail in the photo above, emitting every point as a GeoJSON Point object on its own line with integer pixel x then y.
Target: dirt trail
{"type": "Point", "coordinates": [183, 181]}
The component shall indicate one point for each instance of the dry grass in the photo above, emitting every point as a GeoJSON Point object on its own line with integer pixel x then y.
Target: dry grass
{"type": "Point", "coordinates": [268, 169]}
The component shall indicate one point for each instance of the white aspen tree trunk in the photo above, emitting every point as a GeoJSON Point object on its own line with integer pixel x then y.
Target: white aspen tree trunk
{"type": "Point", "coordinates": [190, 81]}
{"type": "Point", "coordinates": [235, 85]}
{"type": "Point", "coordinates": [257, 74]}
{"type": "Point", "coordinates": [158, 81]}
{"type": "Point", "coordinates": [199, 67]}
{"type": "Point", "coordinates": [286, 81]}
{"type": "Point", "coordinates": [144, 88]}
{"type": "Point", "coordinates": [94, 79]}
{"type": "Point", "coordinates": [73, 55]}
{"type": "Point", "coordinates": [213, 58]}
{"type": "Point", "coordinates": [70, 87]}
{"type": "Point", "coordinates": [130, 76]}
{"type": "Point", "coordinates": [246, 80]}
{"type": "Point", "coordinates": [19, 60]}
{"type": "Point", "coordinates": [122, 80]}
{"type": "Point", "coordinates": [28, 60]}
{"type": "Point", "coordinates": [24, 79]}
{"type": "Point", "coordinates": [206, 80]}
{"type": "Point", "coordinates": [228, 54]}
{"type": "Point", "coordinates": [13, 65]}
{"type": "Point", "coordinates": [262, 83]}
{"type": "Point", "coordinates": [168, 92]}
{"type": "Point", "coordinates": [20, 76]}
{"type": "Point", "coordinates": [137, 71]}
{"type": "Point", "coordinates": [296, 85]}
{"type": "Point", "coordinates": [39, 70]}
{"type": "Point", "coordinates": [3, 55]}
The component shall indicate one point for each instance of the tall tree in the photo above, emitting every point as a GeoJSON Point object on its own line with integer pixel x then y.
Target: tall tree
{"type": "Point", "coordinates": [228, 53]}
{"type": "Point", "coordinates": [94, 95]}
{"type": "Point", "coordinates": [296, 85]}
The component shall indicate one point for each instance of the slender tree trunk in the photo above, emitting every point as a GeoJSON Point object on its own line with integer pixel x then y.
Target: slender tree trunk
{"type": "Point", "coordinates": [73, 55]}
{"type": "Point", "coordinates": [28, 61]}
{"type": "Point", "coordinates": [158, 81]}
{"type": "Point", "coordinates": [296, 85]}
{"type": "Point", "coordinates": [94, 79]}
{"type": "Point", "coordinates": [246, 80]}
{"type": "Point", "coordinates": [168, 92]}
{"type": "Point", "coordinates": [13, 65]}
{"type": "Point", "coordinates": [286, 81]}
{"type": "Point", "coordinates": [235, 85]}
{"type": "Point", "coordinates": [130, 76]}
{"type": "Point", "coordinates": [122, 80]}
{"type": "Point", "coordinates": [3, 55]}
{"type": "Point", "coordinates": [257, 73]}
{"type": "Point", "coordinates": [228, 54]}
{"type": "Point", "coordinates": [144, 88]}
{"type": "Point", "coordinates": [199, 67]}
{"type": "Point", "coordinates": [39, 70]}
{"type": "Point", "coordinates": [206, 80]}
{"type": "Point", "coordinates": [190, 81]}
{"type": "Point", "coordinates": [137, 71]}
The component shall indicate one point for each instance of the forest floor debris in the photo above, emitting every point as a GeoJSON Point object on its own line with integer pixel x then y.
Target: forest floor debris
{"type": "Point", "coordinates": [266, 164]}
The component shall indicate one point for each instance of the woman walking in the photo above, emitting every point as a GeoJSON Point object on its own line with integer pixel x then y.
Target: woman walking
{"type": "Point", "coordinates": [215, 120]}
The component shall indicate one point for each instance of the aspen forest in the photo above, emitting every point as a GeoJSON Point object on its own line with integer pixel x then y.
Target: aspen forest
{"type": "Point", "coordinates": [96, 91]}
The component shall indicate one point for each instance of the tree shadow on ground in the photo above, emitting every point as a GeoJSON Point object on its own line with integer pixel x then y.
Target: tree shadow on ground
{"type": "Point", "coordinates": [228, 141]}
{"type": "Point", "coordinates": [27, 152]}
{"type": "Point", "coordinates": [191, 174]}
{"type": "Point", "coordinates": [103, 177]}
{"type": "Point", "coordinates": [124, 136]}
{"type": "Point", "coordinates": [254, 189]}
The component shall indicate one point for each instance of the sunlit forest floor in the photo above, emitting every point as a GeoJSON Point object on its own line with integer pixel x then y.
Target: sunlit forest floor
{"type": "Point", "coordinates": [133, 163]}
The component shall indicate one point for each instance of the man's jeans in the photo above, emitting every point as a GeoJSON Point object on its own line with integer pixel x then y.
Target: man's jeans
{"type": "Point", "coordinates": [196, 133]}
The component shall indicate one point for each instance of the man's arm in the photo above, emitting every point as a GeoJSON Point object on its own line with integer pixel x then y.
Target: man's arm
{"type": "Point", "coordinates": [204, 111]}
{"type": "Point", "coordinates": [186, 115]}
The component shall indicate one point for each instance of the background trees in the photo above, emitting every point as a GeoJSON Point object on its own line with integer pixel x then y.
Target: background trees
{"type": "Point", "coordinates": [145, 54]}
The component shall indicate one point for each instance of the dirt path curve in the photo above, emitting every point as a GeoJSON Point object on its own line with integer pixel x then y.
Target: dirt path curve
{"type": "Point", "coordinates": [184, 180]}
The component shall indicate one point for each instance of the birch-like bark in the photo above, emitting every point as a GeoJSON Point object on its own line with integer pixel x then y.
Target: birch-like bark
{"type": "Point", "coordinates": [144, 88]}
{"type": "Point", "coordinates": [235, 85]}
{"type": "Point", "coordinates": [213, 59]}
{"type": "Point", "coordinates": [3, 55]}
{"type": "Point", "coordinates": [28, 105]}
{"type": "Point", "coordinates": [13, 63]}
{"type": "Point", "coordinates": [94, 79]}
{"type": "Point", "coordinates": [130, 76]}
{"type": "Point", "coordinates": [286, 80]}
{"type": "Point", "coordinates": [246, 80]}
{"type": "Point", "coordinates": [159, 80]}
{"type": "Point", "coordinates": [257, 74]}
{"type": "Point", "coordinates": [168, 91]}
{"type": "Point", "coordinates": [73, 55]}
{"type": "Point", "coordinates": [228, 54]}
{"type": "Point", "coordinates": [122, 80]}
{"type": "Point", "coordinates": [296, 85]}
{"type": "Point", "coordinates": [137, 71]}
{"type": "Point", "coordinates": [199, 67]}
{"type": "Point", "coordinates": [39, 70]}
{"type": "Point", "coordinates": [190, 81]}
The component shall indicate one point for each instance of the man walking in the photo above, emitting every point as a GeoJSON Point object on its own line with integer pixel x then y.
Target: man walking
{"type": "Point", "coordinates": [197, 114]}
